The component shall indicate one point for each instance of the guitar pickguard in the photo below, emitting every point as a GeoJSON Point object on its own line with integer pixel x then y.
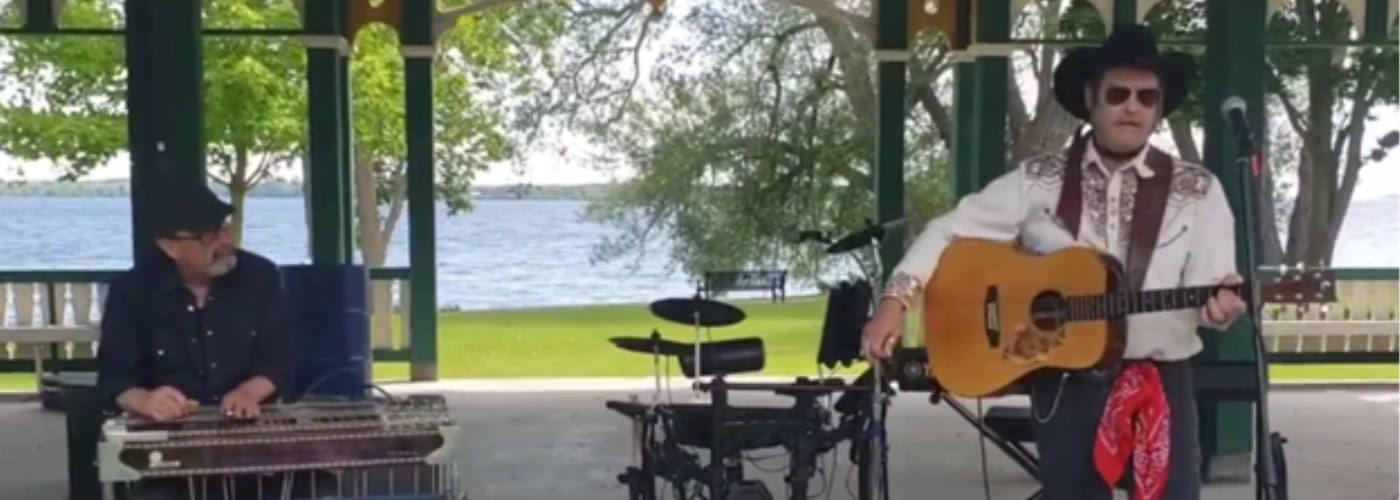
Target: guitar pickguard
{"type": "Point", "coordinates": [991, 312]}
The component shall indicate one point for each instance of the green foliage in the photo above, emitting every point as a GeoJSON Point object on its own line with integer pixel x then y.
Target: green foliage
{"type": "Point", "coordinates": [480, 74]}
{"type": "Point", "coordinates": [68, 94]}
{"type": "Point", "coordinates": [69, 101]}
{"type": "Point", "coordinates": [254, 95]}
{"type": "Point", "coordinates": [745, 136]}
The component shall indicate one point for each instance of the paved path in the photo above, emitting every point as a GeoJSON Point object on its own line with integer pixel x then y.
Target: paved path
{"type": "Point", "coordinates": [564, 445]}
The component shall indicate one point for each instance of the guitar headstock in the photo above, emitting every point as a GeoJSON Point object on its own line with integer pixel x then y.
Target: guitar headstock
{"type": "Point", "coordinates": [1300, 285]}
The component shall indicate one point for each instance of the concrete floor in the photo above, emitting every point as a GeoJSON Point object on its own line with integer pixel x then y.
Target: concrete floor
{"type": "Point", "coordinates": [545, 446]}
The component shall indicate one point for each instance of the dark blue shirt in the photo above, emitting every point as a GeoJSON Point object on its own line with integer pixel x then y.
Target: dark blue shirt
{"type": "Point", "coordinates": [154, 333]}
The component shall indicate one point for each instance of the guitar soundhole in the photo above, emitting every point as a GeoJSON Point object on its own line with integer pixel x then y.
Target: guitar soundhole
{"type": "Point", "coordinates": [1033, 345]}
{"type": "Point", "coordinates": [1048, 312]}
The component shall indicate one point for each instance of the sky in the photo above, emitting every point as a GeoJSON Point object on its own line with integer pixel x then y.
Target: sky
{"type": "Point", "coordinates": [546, 165]}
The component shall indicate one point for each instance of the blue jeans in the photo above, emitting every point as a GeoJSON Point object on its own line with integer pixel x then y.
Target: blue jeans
{"type": "Point", "coordinates": [1065, 412]}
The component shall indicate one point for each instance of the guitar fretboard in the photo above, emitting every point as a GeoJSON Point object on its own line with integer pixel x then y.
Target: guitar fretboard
{"type": "Point", "coordinates": [1118, 305]}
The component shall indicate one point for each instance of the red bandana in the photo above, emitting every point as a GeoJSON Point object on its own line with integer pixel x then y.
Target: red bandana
{"type": "Point", "coordinates": [1135, 424]}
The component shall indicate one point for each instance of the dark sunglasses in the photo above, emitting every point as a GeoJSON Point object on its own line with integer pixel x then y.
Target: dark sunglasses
{"type": "Point", "coordinates": [1147, 98]}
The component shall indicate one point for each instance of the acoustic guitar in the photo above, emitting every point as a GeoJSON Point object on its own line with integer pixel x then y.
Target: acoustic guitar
{"type": "Point", "coordinates": [994, 314]}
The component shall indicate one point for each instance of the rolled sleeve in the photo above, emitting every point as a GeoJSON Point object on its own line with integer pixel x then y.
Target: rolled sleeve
{"type": "Point", "coordinates": [274, 349]}
{"type": "Point", "coordinates": [1212, 254]}
{"type": "Point", "coordinates": [120, 353]}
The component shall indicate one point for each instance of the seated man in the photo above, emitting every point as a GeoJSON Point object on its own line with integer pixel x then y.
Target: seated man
{"type": "Point", "coordinates": [196, 322]}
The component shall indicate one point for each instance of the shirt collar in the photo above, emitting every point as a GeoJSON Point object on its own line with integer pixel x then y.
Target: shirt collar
{"type": "Point", "coordinates": [1138, 164]}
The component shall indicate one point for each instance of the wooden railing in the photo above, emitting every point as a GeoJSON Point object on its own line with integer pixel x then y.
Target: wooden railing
{"type": "Point", "coordinates": [53, 315]}
{"type": "Point", "coordinates": [1361, 327]}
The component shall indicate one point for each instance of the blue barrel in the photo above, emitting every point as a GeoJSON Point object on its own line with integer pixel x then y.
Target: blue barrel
{"type": "Point", "coordinates": [330, 318]}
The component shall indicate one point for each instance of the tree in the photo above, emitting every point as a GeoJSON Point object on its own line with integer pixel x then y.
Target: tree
{"type": "Point", "coordinates": [482, 67]}
{"type": "Point", "coordinates": [1327, 97]}
{"type": "Point", "coordinates": [69, 106]}
{"type": "Point", "coordinates": [782, 118]}
{"type": "Point", "coordinates": [255, 104]}
{"type": "Point", "coordinates": [819, 53]}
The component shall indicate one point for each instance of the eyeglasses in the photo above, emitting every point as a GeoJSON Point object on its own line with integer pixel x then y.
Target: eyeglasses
{"type": "Point", "coordinates": [1147, 98]}
{"type": "Point", "coordinates": [204, 238]}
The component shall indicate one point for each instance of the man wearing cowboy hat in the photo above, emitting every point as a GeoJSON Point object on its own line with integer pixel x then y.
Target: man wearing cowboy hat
{"type": "Point", "coordinates": [1167, 219]}
{"type": "Point", "coordinates": [195, 322]}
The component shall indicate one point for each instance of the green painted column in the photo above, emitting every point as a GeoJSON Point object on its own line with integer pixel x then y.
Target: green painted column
{"type": "Point", "coordinates": [165, 103]}
{"type": "Point", "coordinates": [1234, 65]}
{"type": "Point", "coordinates": [964, 153]}
{"type": "Point", "coordinates": [993, 69]}
{"type": "Point", "coordinates": [1124, 12]}
{"type": "Point", "coordinates": [347, 152]}
{"type": "Point", "coordinates": [419, 49]}
{"type": "Point", "coordinates": [891, 73]}
{"type": "Point", "coordinates": [327, 126]}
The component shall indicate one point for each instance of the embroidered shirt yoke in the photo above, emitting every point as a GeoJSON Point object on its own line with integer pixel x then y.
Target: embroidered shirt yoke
{"type": "Point", "coordinates": [1195, 246]}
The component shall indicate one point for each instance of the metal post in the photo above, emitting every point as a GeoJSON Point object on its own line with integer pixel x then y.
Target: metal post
{"type": "Point", "coordinates": [892, 51]}
{"type": "Point", "coordinates": [965, 175]}
{"type": "Point", "coordinates": [327, 51]}
{"type": "Point", "coordinates": [419, 49]}
{"type": "Point", "coordinates": [1234, 65]}
{"type": "Point", "coordinates": [165, 103]}
{"type": "Point", "coordinates": [993, 22]}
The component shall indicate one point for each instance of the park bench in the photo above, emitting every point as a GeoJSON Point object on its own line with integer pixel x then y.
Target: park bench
{"type": "Point", "coordinates": [772, 282]}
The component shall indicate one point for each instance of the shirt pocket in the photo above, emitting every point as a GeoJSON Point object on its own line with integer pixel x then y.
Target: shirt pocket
{"type": "Point", "coordinates": [174, 349]}
{"type": "Point", "coordinates": [1171, 236]}
{"type": "Point", "coordinates": [1176, 227]}
{"type": "Point", "coordinates": [233, 335]}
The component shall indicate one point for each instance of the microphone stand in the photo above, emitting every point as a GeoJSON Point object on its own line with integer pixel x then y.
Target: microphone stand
{"type": "Point", "coordinates": [873, 473]}
{"type": "Point", "coordinates": [1265, 474]}
{"type": "Point", "coordinates": [877, 459]}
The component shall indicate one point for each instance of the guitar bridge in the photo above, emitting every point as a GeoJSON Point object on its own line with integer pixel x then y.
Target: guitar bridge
{"type": "Point", "coordinates": [992, 318]}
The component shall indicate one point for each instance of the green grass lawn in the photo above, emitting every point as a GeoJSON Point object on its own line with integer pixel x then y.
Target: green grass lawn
{"type": "Point", "coordinates": [572, 342]}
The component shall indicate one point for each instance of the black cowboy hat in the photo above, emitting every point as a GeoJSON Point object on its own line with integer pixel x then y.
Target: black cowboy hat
{"type": "Point", "coordinates": [1129, 45]}
{"type": "Point", "coordinates": [185, 211]}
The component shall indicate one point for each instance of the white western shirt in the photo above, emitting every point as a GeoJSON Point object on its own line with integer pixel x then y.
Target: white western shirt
{"type": "Point", "coordinates": [1196, 245]}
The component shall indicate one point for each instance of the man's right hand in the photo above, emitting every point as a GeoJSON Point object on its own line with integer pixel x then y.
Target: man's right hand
{"type": "Point", "coordinates": [163, 403]}
{"type": "Point", "coordinates": [882, 332]}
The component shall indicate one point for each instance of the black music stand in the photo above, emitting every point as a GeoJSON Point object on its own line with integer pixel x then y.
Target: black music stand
{"type": "Point", "coordinates": [1006, 427]}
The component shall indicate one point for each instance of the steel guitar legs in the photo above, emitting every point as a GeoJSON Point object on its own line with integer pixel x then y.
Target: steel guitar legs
{"type": "Point", "coordinates": [302, 485]}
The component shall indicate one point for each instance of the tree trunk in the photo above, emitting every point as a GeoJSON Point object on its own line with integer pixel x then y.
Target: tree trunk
{"type": "Point", "coordinates": [238, 193]}
{"type": "Point", "coordinates": [374, 246]}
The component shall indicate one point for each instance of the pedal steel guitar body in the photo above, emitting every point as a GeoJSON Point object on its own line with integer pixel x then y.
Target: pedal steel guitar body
{"type": "Point", "coordinates": [994, 315]}
{"type": "Point", "coordinates": [417, 430]}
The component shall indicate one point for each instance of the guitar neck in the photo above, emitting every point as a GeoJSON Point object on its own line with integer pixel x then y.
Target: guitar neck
{"type": "Point", "coordinates": [1118, 305]}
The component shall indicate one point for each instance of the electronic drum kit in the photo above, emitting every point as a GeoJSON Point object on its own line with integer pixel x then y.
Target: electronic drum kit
{"type": "Point", "coordinates": [666, 435]}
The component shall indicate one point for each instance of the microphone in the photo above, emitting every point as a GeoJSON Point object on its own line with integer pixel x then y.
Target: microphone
{"type": "Point", "coordinates": [1234, 108]}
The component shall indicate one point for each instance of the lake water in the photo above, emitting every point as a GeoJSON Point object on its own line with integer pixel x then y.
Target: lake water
{"type": "Point", "coordinates": [505, 254]}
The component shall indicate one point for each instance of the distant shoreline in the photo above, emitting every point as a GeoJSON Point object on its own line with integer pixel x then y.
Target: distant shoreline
{"type": "Point", "coordinates": [119, 188]}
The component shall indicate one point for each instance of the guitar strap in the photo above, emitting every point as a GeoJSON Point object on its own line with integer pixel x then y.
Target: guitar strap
{"type": "Point", "coordinates": [1148, 209]}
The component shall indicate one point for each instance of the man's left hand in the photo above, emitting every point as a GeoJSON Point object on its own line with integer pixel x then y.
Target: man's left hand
{"type": "Point", "coordinates": [240, 404]}
{"type": "Point", "coordinates": [1225, 305]}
